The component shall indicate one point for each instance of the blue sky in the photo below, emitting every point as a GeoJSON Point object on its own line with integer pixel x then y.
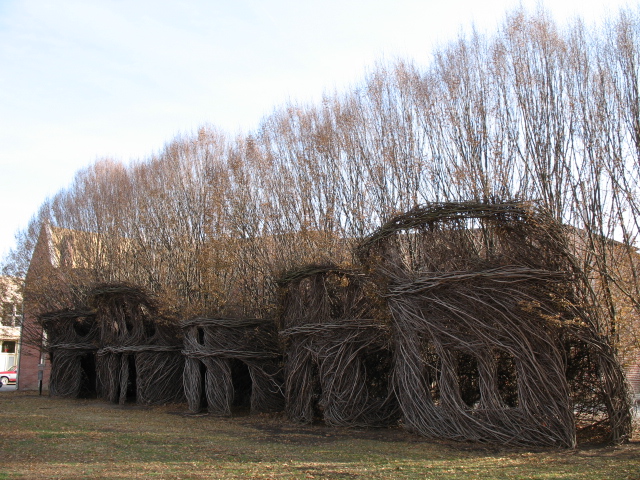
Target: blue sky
{"type": "Point", "coordinates": [88, 79]}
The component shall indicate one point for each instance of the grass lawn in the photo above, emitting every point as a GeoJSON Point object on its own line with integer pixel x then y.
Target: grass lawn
{"type": "Point", "coordinates": [51, 438]}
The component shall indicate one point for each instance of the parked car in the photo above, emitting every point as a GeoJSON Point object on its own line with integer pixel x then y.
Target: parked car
{"type": "Point", "coordinates": [9, 377]}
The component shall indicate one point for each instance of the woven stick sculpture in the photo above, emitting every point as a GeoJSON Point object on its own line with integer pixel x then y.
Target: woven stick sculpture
{"type": "Point", "coordinates": [139, 356]}
{"type": "Point", "coordinates": [72, 341]}
{"type": "Point", "coordinates": [228, 360]}
{"type": "Point", "coordinates": [337, 349]}
{"type": "Point", "coordinates": [484, 299]}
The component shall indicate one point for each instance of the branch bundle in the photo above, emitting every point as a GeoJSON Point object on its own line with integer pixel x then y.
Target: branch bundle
{"type": "Point", "coordinates": [72, 340]}
{"type": "Point", "coordinates": [232, 362]}
{"type": "Point", "coordinates": [484, 301]}
{"type": "Point", "coordinates": [119, 348]}
{"type": "Point", "coordinates": [337, 348]}
{"type": "Point", "coordinates": [139, 356]}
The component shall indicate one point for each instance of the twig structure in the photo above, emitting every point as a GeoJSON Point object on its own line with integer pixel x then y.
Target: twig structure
{"type": "Point", "coordinates": [489, 315]}
{"type": "Point", "coordinates": [139, 356]}
{"type": "Point", "coordinates": [466, 321]}
{"type": "Point", "coordinates": [337, 346]}
{"type": "Point", "coordinates": [232, 362]}
{"type": "Point", "coordinates": [72, 342]}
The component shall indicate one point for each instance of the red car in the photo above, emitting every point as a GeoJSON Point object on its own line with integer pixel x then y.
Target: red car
{"type": "Point", "coordinates": [8, 377]}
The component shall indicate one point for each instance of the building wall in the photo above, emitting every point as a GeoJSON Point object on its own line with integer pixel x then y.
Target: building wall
{"type": "Point", "coordinates": [633, 375]}
{"type": "Point", "coordinates": [31, 357]}
{"type": "Point", "coordinates": [7, 335]}
{"type": "Point", "coordinates": [10, 320]}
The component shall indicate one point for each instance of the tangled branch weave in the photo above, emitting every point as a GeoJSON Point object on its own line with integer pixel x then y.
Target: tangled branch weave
{"type": "Point", "coordinates": [227, 360]}
{"type": "Point", "coordinates": [337, 348]}
{"type": "Point", "coordinates": [488, 314]}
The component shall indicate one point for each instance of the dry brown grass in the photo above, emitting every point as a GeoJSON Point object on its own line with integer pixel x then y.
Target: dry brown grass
{"type": "Point", "coordinates": [50, 438]}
